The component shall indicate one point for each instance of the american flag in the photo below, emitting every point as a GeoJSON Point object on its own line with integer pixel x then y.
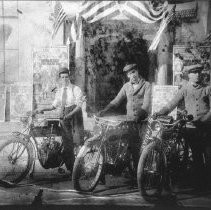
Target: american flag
{"type": "Point", "coordinates": [59, 15]}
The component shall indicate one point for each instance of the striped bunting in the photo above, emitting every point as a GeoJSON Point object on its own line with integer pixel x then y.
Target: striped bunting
{"type": "Point", "coordinates": [163, 25]}
{"type": "Point", "coordinates": [93, 11]}
{"type": "Point", "coordinates": [59, 15]}
{"type": "Point", "coordinates": [143, 10]}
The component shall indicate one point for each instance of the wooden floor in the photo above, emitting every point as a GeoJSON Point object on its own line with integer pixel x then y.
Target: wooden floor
{"type": "Point", "coordinates": [50, 189]}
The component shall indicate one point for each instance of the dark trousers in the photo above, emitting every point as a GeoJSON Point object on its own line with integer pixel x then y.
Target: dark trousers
{"type": "Point", "coordinates": [196, 139]}
{"type": "Point", "coordinates": [67, 138]}
{"type": "Point", "coordinates": [135, 141]}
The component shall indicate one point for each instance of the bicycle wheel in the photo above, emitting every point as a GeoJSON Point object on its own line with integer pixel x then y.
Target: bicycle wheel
{"type": "Point", "coordinates": [16, 158]}
{"type": "Point", "coordinates": [150, 173]}
{"type": "Point", "coordinates": [87, 169]}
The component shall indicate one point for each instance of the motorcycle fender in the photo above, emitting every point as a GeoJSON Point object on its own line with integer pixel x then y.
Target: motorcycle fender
{"type": "Point", "coordinates": [82, 151]}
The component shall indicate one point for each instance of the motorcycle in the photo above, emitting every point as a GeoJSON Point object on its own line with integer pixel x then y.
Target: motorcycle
{"type": "Point", "coordinates": [107, 152]}
{"type": "Point", "coordinates": [165, 155]}
{"type": "Point", "coordinates": [40, 140]}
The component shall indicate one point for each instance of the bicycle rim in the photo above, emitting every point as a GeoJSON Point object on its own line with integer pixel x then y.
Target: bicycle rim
{"type": "Point", "coordinates": [89, 170]}
{"type": "Point", "coordinates": [14, 160]}
{"type": "Point", "coordinates": [151, 180]}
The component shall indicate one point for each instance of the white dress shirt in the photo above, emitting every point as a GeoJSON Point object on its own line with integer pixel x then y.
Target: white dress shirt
{"type": "Point", "coordinates": [74, 96]}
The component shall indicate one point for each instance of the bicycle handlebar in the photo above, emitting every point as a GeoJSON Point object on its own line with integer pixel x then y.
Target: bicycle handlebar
{"type": "Point", "coordinates": [186, 118]}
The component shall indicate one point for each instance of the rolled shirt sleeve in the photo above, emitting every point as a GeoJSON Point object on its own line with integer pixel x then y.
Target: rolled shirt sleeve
{"type": "Point", "coordinates": [78, 96]}
{"type": "Point", "coordinates": [56, 102]}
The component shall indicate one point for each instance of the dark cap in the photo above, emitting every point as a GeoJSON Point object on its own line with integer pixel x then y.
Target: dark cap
{"type": "Point", "coordinates": [129, 67]}
{"type": "Point", "coordinates": [193, 68]}
{"type": "Point", "coordinates": [64, 70]}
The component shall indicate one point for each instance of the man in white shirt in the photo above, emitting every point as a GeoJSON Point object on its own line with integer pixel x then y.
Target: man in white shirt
{"type": "Point", "coordinates": [68, 99]}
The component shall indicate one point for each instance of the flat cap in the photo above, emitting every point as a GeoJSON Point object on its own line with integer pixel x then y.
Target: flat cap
{"type": "Point", "coordinates": [193, 68]}
{"type": "Point", "coordinates": [63, 70]}
{"type": "Point", "coordinates": [129, 67]}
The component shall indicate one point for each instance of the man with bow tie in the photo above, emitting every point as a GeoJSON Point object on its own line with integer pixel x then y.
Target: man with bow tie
{"type": "Point", "coordinates": [138, 94]}
{"type": "Point", "coordinates": [68, 99]}
{"type": "Point", "coordinates": [197, 99]}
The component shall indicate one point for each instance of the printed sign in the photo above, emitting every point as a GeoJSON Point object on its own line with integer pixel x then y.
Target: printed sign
{"type": "Point", "coordinates": [46, 65]}
{"type": "Point", "coordinates": [162, 95]}
{"type": "Point", "coordinates": [184, 56]}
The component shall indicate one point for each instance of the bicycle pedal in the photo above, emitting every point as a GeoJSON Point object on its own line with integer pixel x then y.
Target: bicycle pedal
{"type": "Point", "coordinates": [61, 171]}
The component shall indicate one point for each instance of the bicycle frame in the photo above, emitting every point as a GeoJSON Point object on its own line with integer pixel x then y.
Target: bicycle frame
{"type": "Point", "coordinates": [101, 139]}
{"type": "Point", "coordinates": [29, 135]}
{"type": "Point", "coordinates": [167, 136]}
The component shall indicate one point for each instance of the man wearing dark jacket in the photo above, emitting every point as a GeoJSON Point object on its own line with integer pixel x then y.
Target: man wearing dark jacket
{"type": "Point", "coordinates": [197, 101]}
{"type": "Point", "coordinates": [138, 94]}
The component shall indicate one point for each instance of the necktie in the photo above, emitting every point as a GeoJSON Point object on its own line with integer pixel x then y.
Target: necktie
{"type": "Point", "coordinates": [64, 100]}
{"type": "Point", "coordinates": [64, 97]}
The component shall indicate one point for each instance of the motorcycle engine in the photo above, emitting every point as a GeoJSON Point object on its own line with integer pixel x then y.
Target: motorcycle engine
{"type": "Point", "coordinates": [116, 149]}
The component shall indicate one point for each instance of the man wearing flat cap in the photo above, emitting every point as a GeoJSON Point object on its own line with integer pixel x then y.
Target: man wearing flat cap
{"type": "Point", "coordinates": [138, 94]}
{"type": "Point", "coordinates": [197, 100]}
{"type": "Point", "coordinates": [68, 99]}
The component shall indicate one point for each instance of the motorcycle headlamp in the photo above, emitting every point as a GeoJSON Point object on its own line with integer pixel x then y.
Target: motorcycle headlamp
{"type": "Point", "coordinates": [97, 130]}
{"type": "Point", "coordinates": [155, 126]}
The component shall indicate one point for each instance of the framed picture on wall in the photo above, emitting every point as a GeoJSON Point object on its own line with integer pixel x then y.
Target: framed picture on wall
{"type": "Point", "coordinates": [20, 101]}
{"type": "Point", "coordinates": [46, 65]}
{"type": "Point", "coordinates": [184, 56]}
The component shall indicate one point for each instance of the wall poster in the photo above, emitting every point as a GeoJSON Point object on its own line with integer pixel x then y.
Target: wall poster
{"type": "Point", "coordinates": [161, 96]}
{"type": "Point", "coordinates": [20, 101]}
{"type": "Point", "coordinates": [184, 56]}
{"type": "Point", "coordinates": [2, 103]}
{"type": "Point", "coordinates": [46, 65]}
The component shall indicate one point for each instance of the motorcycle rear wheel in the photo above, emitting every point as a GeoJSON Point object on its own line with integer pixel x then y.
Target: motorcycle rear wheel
{"type": "Point", "coordinates": [150, 172]}
{"type": "Point", "coordinates": [16, 159]}
{"type": "Point", "coordinates": [87, 169]}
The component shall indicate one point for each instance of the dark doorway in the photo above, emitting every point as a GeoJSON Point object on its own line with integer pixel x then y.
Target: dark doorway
{"type": "Point", "coordinates": [109, 47]}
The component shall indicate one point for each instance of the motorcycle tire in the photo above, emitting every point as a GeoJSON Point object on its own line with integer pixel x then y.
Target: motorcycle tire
{"type": "Point", "coordinates": [16, 159]}
{"type": "Point", "coordinates": [151, 171]}
{"type": "Point", "coordinates": [87, 169]}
